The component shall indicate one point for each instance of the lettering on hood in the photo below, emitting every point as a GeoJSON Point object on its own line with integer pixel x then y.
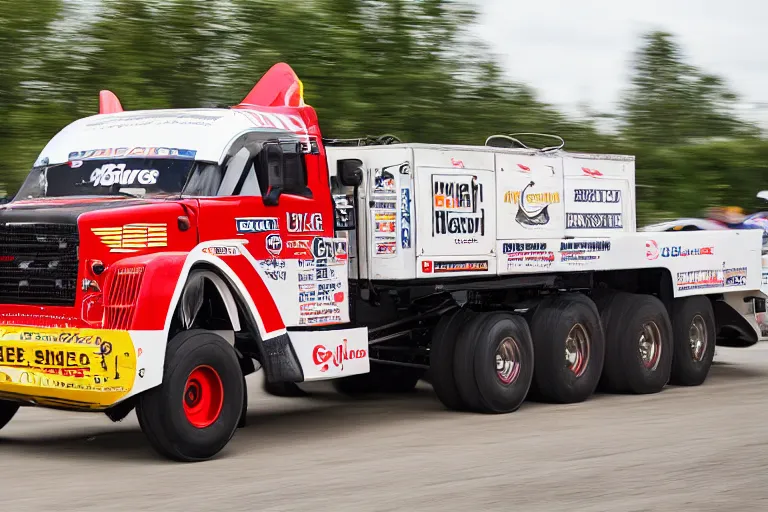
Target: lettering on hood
{"type": "Point", "coordinates": [116, 174]}
{"type": "Point", "coordinates": [457, 206]}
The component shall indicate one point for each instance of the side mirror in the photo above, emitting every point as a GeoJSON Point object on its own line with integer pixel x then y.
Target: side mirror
{"type": "Point", "coordinates": [350, 172]}
{"type": "Point", "coordinates": [273, 196]}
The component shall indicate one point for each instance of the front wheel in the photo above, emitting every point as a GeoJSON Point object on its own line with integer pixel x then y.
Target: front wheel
{"type": "Point", "coordinates": [194, 413]}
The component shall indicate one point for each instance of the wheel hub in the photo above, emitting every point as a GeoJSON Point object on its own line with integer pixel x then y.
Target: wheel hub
{"type": "Point", "coordinates": [203, 397]}
{"type": "Point", "coordinates": [697, 337]}
{"type": "Point", "coordinates": [649, 345]}
{"type": "Point", "coordinates": [508, 361]}
{"type": "Point", "coordinates": [577, 348]}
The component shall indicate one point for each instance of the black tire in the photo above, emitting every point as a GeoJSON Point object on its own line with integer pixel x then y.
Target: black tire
{"type": "Point", "coordinates": [161, 410]}
{"type": "Point", "coordinates": [624, 315]}
{"type": "Point", "coordinates": [554, 378]}
{"type": "Point", "coordinates": [382, 378]}
{"type": "Point", "coordinates": [8, 410]}
{"type": "Point", "coordinates": [441, 354]}
{"type": "Point", "coordinates": [687, 313]}
{"type": "Point", "coordinates": [475, 362]}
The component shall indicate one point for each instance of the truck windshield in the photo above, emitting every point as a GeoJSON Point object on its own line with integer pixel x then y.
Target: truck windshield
{"type": "Point", "coordinates": [139, 177]}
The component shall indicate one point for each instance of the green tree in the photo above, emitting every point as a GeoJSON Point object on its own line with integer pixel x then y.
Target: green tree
{"type": "Point", "coordinates": [671, 102]}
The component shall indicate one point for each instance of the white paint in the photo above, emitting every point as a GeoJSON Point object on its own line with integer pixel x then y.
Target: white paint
{"type": "Point", "coordinates": [209, 132]}
{"type": "Point", "coordinates": [197, 255]}
{"type": "Point", "coordinates": [319, 351]}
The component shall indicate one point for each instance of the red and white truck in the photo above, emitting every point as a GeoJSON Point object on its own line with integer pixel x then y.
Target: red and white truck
{"type": "Point", "coordinates": [152, 259]}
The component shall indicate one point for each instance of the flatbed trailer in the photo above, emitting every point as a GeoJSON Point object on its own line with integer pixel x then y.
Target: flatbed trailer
{"type": "Point", "coordinates": [153, 259]}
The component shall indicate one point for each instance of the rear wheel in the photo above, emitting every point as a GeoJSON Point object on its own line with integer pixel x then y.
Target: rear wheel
{"type": "Point", "coordinates": [493, 362]}
{"type": "Point", "coordinates": [7, 411]}
{"type": "Point", "coordinates": [638, 351]}
{"type": "Point", "coordinates": [441, 357]}
{"type": "Point", "coordinates": [693, 324]}
{"type": "Point", "coordinates": [194, 413]}
{"type": "Point", "coordinates": [570, 348]}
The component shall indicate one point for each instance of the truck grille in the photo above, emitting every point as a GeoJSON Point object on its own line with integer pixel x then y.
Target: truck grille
{"type": "Point", "coordinates": [38, 264]}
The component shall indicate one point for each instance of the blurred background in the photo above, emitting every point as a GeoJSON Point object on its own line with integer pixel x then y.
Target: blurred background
{"type": "Point", "coordinates": [678, 83]}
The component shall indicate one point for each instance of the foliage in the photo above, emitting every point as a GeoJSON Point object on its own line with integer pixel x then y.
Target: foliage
{"type": "Point", "coordinates": [369, 67]}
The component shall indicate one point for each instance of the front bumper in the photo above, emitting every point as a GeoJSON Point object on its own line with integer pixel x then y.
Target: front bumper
{"type": "Point", "coordinates": [69, 368]}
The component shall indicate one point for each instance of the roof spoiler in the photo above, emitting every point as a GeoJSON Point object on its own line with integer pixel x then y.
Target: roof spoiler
{"type": "Point", "coordinates": [279, 87]}
{"type": "Point", "coordinates": [763, 194]}
{"type": "Point", "coordinates": [108, 103]}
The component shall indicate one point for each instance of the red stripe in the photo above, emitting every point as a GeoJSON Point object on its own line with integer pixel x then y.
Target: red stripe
{"type": "Point", "coordinates": [259, 293]}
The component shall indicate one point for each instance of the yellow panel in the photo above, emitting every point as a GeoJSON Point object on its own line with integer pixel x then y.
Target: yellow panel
{"type": "Point", "coordinates": [92, 367]}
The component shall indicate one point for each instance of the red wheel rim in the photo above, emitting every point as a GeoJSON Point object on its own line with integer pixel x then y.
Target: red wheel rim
{"type": "Point", "coordinates": [203, 397]}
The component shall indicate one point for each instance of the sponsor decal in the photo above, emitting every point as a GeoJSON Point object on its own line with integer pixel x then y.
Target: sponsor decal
{"type": "Point", "coordinates": [699, 279]}
{"type": "Point", "coordinates": [257, 224]}
{"type": "Point", "coordinates": [306, 277]}
{"type": "Point", "coordinates": [765, 279]}
{"type": "Point", "coordinates": [117, 174]}
{"type": "Point", "coordinates": [276, 275]}
{"type": "Point", "coordinates": [405, 218]}
{"type": "Point", "coordinates": [307, 287]}
{"type": "Point", "coordinates": [591, 195]}
{"type": "Point", "coordinates": [532, 208]}
{"type": "Point", "coordinates": [383, 180]}
{"type": "Point", "coordinates": [426, 267]}
{"type": "Point", "coordinates": [305, 244]}
{"type": "Point", "coordinates": [510, 247]}
{"type": "Point", "coordinates": [324, 274]}
{"type": "Point", "coordinates": [532, 199]}
{"type": "Point", "coordinates": [527, 255]}
{"type": "Point", "coordinates": [530, 259]}
{"type": "Point", "coordinates": [274, 244]}
{"type": "Point", "coordinates": [681, 252]}
{"type": "Point", "coordinates": [523, 168]}
{"type": "Point", "coordinates": [320, 320]}
{"type": "Point", "coordinates": [68, 362]}
{"type": "Point", "coordinates": [324, 357]}
{"type": "Point", "coordinates": [132, 152]}
{"type": "Point", "coordinates": [388, 247]}
{"type": "Point", "coordinates": [460, 266]}
{"type": "Point", "coordinates": [735, 276]}
{"type": "Point", "coordinates": [304, 222]}
{"type": "Point", "coordinates": [307, 296]}
{"type": "Point", "coordinates": [593, 221]}
{"type": "Point", "coordinates": [583, 251]}
{"type": "Point", "coordinates": [457, 206]}
{"type": "Point", "coordinates": [652, 250]}
{"type": "Point", "coordinates": [221, 250]}
{"type": "Point", "coordinates": [133, 237]}
{"type": "Point", "coordinates": [274, 264]}
{"type": "Point", "coordinates": [457, 163]}
{"type": "Point", "coordinates": [465, 241]}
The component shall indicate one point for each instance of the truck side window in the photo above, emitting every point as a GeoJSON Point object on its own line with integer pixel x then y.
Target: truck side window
{"type": "Point", "coordinates": [282, 166]}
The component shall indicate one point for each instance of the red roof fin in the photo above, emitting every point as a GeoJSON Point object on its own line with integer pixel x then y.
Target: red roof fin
{"type": "Point", "coordinates": [279, 87]}
{"type": "Point", "coordinates": [108, 103]}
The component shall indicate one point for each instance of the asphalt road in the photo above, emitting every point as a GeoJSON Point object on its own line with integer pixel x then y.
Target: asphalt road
{"type": "Point", "coordinates": [686, 449]}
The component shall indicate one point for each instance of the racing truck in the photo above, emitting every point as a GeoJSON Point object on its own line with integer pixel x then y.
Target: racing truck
{"type": "Point", "coordinates": [153, 259]}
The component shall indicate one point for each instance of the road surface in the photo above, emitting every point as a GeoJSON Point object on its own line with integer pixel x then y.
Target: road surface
{"type": "Point", "coordinates": [686, 449]}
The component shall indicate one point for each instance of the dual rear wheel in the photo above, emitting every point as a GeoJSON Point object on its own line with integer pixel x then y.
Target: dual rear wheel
{"type": "Point", "coordinates": [623, 343]}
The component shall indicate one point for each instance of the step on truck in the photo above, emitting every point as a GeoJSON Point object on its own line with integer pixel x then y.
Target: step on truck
{"type": "Point", "coordinates": [153, 259]}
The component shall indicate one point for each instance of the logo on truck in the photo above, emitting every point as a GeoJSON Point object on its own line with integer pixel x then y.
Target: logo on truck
{"type": "Point", "coordinates": [457, 206]}
{"type": "Point", "coordinates": [256, 224]}
{"type": "Point", "coordinates": [324, 358]}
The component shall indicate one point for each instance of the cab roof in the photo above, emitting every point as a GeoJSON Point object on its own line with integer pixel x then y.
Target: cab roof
{"type": "Point", "coordinates": [275, 104]}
